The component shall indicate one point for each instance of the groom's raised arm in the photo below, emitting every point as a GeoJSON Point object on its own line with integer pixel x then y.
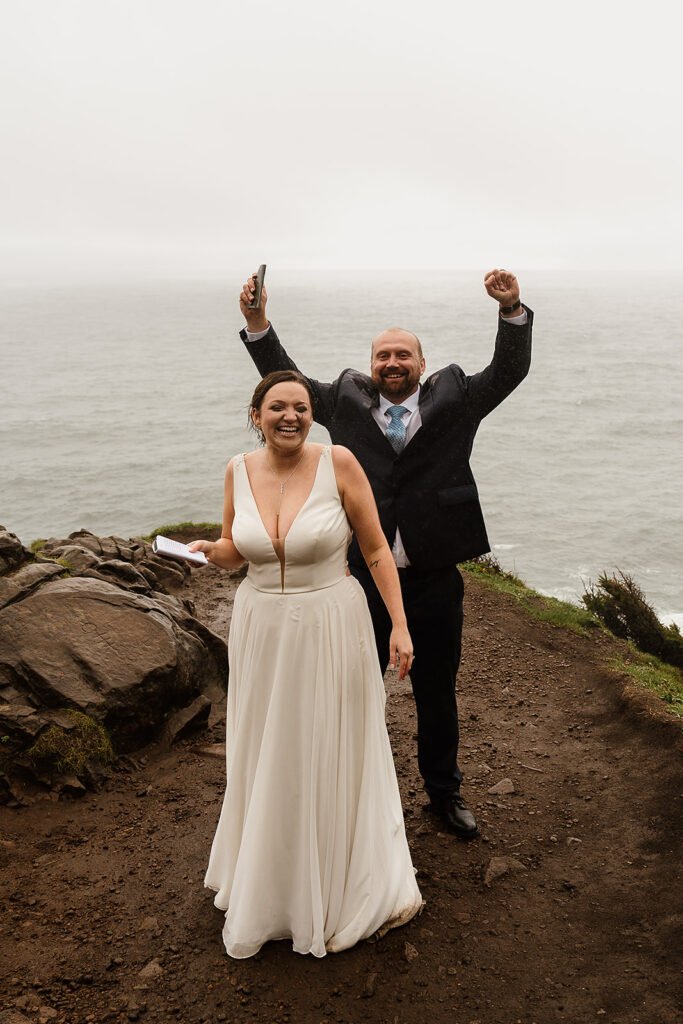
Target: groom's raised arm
{"type": "Point", "coordinates": [263, 345]}
{"type": "Point", "coordinates": [512, 354]}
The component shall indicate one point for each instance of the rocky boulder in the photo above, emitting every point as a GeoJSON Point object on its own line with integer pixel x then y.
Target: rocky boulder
{"type": "Point", "coordinates": [12, 551]}
{"type": "Point", "coordinates": [99, 637]}
{"type": "Point", "coordinates": [132, 562]}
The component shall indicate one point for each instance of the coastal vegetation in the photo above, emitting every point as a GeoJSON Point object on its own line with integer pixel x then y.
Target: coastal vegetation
{"type": "Point", "coordinates": [71, 751]}
{"type": "Point", "coordinates": [488, 570]}
{"type": "Point", "coordinates": [167, 531]}
{"type": "Point", "coordinates": [620, 604]}
{"type": "Point", "coordinates": [653, 652]}
{"type": "Point", "coordinates": [661, 679]}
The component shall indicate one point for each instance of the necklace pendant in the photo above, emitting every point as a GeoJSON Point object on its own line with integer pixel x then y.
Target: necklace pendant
{"type": "Point", "coordinates": [282, 489]}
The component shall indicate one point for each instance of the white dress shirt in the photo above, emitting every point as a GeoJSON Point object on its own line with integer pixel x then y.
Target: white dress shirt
{"type": "Point", "coordinates": [412, 421]}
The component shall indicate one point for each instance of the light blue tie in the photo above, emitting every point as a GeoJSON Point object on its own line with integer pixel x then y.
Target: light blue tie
{"type": "Point", "coordinates": [396, 431]}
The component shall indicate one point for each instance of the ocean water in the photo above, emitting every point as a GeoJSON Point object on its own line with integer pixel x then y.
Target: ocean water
{"type": "Point", "coordinates": [121, 404]}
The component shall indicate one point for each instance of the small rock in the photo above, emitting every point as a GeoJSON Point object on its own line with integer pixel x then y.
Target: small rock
{"type": "Point", "coordinates": [151, 971]}
{"type": "Point", "coordinates": [46, 1013]}
{"type": "Point", "coordinates": [572, 840]}
{"type": "Point", "coordinates": [216, 750]}
{"type": "Point", "coordinates": [181, 723]}
{"type": "Point", "coordinates": [369, 987]}
{"type": "Point", "coordinates": [70, 783]}
{"type": "Point", "coordinates": [150, 924]}
{"type": "Point", "coordinates": [409, 952]}
{"type": "Point", "coordinates": [499, 866]}
{"type": "Point", "coordinates": [502, 788]}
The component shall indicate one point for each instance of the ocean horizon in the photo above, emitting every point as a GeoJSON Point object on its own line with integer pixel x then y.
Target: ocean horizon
{"type": "Point", "coordinates": [121, 403]}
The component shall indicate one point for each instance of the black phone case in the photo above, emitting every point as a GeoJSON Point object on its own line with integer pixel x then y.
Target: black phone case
{"type": "Point", "coordinates": [256, 301]}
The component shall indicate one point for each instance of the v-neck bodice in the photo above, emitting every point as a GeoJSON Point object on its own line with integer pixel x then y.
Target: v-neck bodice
{"type": "Point", "coordinates": [314, 549]}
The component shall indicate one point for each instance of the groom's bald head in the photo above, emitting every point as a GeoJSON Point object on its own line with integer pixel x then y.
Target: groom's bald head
{"type": "Point", "coordinates": [393, 334]}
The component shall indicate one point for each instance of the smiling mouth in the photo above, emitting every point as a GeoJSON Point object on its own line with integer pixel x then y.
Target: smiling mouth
{"type": "Point", "coordinates": [288, 430]}
{"type": "Point", "coordinates": [394, 376]}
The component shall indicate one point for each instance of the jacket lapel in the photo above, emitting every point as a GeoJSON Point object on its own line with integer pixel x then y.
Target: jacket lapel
{"type": "Point", "coordinates": [426, 404]}
{"type": "Point", "coordinates": [369, 400]}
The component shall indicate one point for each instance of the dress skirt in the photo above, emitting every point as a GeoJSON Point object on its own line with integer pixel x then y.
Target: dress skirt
{"type": "Point", "coordinates": [310, 845]}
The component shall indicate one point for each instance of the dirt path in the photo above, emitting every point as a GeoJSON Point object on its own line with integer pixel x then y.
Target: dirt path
{"type": "Point", "coordinates": [584, 925]}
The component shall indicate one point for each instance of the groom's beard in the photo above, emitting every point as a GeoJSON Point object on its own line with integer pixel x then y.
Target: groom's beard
{"type": "Point", "coordinates": [398, 388]}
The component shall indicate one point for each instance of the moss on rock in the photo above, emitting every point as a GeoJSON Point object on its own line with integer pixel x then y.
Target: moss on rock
{"type": "Point", "coordinates": [71, 751]}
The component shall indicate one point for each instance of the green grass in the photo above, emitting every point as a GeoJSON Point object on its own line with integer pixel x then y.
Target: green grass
{"type": "Point", "coordinates": [64, 562]}
{"type": "Point", "coordinates": [69, 751]}
{"type": "Point", "coordinates": [36, 545]}
{"type": "Point", "coordinates": [177, 527]}
{"type": "Point", "coordinates": [547, 609]}
{"type": "Point", "coordinates": [664, 680]}
{"type": "Point", "coordinates": [40, 558]}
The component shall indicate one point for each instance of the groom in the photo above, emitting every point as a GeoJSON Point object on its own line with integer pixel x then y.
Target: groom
{"type": "Point", "coordinates": [414, 441]}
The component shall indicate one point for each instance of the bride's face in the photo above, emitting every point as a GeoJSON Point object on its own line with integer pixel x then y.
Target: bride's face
{"type": "Point", "coordinates": [285, 416]}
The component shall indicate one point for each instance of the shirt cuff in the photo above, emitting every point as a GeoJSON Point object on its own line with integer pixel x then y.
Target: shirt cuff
{"type": "Point", "coordinates": [520, 319]}
{"type": "Point", "coordinates": [256, 336]}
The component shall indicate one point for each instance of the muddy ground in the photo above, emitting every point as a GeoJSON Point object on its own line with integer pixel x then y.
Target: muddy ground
{"type": "Point", "coordinates": [566, 909]}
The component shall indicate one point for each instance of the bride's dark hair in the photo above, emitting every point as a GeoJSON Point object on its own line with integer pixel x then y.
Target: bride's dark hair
{"type": "Point", "coordinates": [264, 386]}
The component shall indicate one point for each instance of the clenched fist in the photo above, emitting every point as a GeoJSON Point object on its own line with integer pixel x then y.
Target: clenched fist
{"type": "Point", "coordinates": [502, 286]}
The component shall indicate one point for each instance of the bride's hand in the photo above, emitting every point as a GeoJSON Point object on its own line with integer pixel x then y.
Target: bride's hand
{"type": "Point", "coordinates": [401, 650]}
{"type": "Point", "coordinates": [206, 546]}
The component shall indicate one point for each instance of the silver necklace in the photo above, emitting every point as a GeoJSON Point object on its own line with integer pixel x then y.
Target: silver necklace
{"type": "Point", "coordinates": [283, 482]}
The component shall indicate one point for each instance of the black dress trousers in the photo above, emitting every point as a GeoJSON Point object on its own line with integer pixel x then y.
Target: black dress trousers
{"type": "Point", "coordinates": [433, 605]}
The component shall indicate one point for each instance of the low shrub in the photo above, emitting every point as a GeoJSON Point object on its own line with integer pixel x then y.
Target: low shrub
{"type": "Point", "coordinates": [620, 604]}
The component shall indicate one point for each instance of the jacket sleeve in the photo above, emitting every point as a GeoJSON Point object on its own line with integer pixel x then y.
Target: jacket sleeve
{"type": "Point", "coordinates": [508, 368]}
{"type": "Point", "coordinates": [269, 355]}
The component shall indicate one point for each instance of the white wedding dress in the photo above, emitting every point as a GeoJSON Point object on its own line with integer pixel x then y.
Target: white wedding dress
{"type": "Point", "coordinates": [310, 844]}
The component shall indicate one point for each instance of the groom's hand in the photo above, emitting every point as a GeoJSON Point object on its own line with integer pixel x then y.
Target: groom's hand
{"type": "Point", "coordinates": [503, 287]}
{"type": "Point", "coordinates": [256, 318]}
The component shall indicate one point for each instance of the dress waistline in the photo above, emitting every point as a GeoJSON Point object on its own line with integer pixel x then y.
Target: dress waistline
{"type": "Point", "coordinates": [288, 591]}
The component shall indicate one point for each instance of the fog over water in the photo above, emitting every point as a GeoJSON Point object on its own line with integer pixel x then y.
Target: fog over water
{"type": "Point", "coordinates": [121, 404]}
{"type": "Point", "coordinates": [153, 154]}
{"type": "Point", "coordinates": [176, 138]}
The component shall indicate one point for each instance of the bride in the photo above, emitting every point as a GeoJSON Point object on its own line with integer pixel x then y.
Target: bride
{"type": "Point", "coordinates": [310, 844]}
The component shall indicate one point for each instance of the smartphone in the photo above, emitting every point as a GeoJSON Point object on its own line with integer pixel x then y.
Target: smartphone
{"type": "Point", "coordinates": [258, 281]}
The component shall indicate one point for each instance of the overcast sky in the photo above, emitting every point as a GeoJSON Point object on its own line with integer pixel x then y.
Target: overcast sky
{"type": "Point", "coordinates": [159, 136]}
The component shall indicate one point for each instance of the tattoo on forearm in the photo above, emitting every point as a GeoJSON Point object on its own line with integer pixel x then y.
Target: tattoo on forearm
{"type": "Point", "coordinates": [373, 565]}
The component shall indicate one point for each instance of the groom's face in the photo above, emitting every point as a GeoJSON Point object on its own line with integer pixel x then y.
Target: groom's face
{"type": "Point", "coordinates": [396, 364]}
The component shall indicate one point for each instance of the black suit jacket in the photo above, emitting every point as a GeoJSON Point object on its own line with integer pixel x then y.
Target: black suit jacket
{"type": "Point", "coordinates": [428, 491]}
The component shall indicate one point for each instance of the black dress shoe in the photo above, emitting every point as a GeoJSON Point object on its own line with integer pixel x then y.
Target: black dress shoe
{"type": "Point", "coordinates": [455, 816]}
